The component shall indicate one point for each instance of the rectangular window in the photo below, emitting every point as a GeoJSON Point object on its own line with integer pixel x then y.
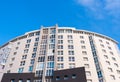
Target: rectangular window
{"type": "Point", "coordinates": [88, 73]}
{"type": "Point", "coordinates": [35, 49]}
{"type": "Point", "coordinates": [37, 39]}
{"type": "Point", "coordinates": [71, 52]}
{"type": "Point", "coordinates": [84, 52]}
{"type": "Point", "coordinates": [70, 47]}
{"type": "Point", "coordinates": [60, 41]}
{"type": "Point", "coordinates": [30, 68]}
{"type": "Point", "coordinates": [22, 63]}
{"type": "Point", "coordinates": [60, 65]}
{"type": "Point", "coordinates": [27, 45]}
{"type": "Point", "coordinates": [20, 70]}
{"type": "Point", "coordinates": [60, 36]}
{"type": "Point", "coordinates": [112, 77]}
{"type": "Point", "coordinates": [70, 41]}
{"type": "Point", "coordinates": [71, 58]}
{"type": "Point", "coordinates": [59, 58]}
{"type": "Point", "coordinates": [36, 44]}
{"type": "Point", "coordinates": [110, 70]}
{"type": "Point", "coordinates": [69, 37]}
{"type": "Point", "coordinates": [32, 61]}
{"type": "Point", "coordinates": [71, 65]}
{"type": "Point", "coordinates": [60, 46]}
{"type": "Point", "coordinates": [29, 40]}
{"type": "Point", "coordinates": [83, 47]}
{"type": "Point", "coordinates": [82, 42]}
{"type": "Point", "coordinates": [37, 33]}
{"type": "Point", "coordinates": [33, 55]}
{"type": "Point", "coordinates": [60, 52]}
{"type": "Point", "coordinates": [86, 65]}
{"type": "Point", "coordinates": [81, 37]}
{"type": "Point", "coordinates": [31, 34]}
{"type": "Point", "coordinates": [85, 58]}
{"type": "Point", "coordinates": [26, 50]}
{"type": "Point", "coordinates": [24, 57]}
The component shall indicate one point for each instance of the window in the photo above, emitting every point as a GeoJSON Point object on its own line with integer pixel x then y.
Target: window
{"type": "Point", "coordinates": [18, 43]}
{"type": "Point", "coordinates": [74, 76]}
{"type": "Point", "coordinates": [57, 78]}
{"type": "Point", "coordinates": [22, 63]}
{"type": "Point", "coordinates": [29, 40]}
{"type": "Point", "coordinates": [60, 36]}
{"type": "Point", "coordinates": [86, 65]}
{"type": "Point", "coordinates": [69, 37]}
{"type": "Point", "coordinates": [89, 80]}
{"type": "Point", "coordinates": [20, 70]}
{"type": "Point", "coordinates": [104, 50]}
{"type": "Point", "coordinates": [60, 46]}
{"type": "Point", "coordinates": [60, 41]}
{"type": "Point", "coordinates": [65, 77]}
{"type": "Point", "coordinates": [111, 53]}
{"type": "Point", "coordinates": [16, 48]}
{"type": "Point", "coordinates": [105, 56]}
{"type": "Point", "coordinates": [60, 65]}
{"type": "Point", "coordinates": [84, 52]}
{"type": "Point", "coordinates": [109, 48]}
{"type": "Point", "coordinates": [36, 44]}
{"type": "Point", "coordinates": [71, 58]}
{"type": "Point", "coordinates": [33, 55]}
{"type": "Point", "coordinates": [15, 53]}
{"type": "Point", "coordinates": [85, 58]}
{"type": "Point", "coordinates": [83, 47]}
{"type": "Point", "coordinates": [82, 42]}
{"type": "Point", "coordinates": [26, 50]}
{"type": "Point", "coordinates": [71, 65]}
{"type": "Point", "coordinates": [88, 73]}
{"type": "Point", "coordinates": [10, 65]}
{"type": "Point", "coordinates": [108, 63]}
{"type": "Point", "coordinates": [112, 77]}
{"type": "Point", "coordinates": [24, 57]}
{"type": "Point", "coordinates": [70, 41]}
{"type": "Point", "coordinates": [71, 52]}
{"type": "Point", "coordinates": [50, 64]}
{"type": "Point", "coordinates": [60, 31]}
{"type": "Point", "coordinates": [68, 31]}
{"type": "Point", "coordinates": [20, 80]}
{"type": "Point", "coordinates": [41, 59]}
{"type": "Point", "coordinates": [35, 49]}
{"type": "Point", "coordinates": [27, 45]}
{"type": "Point", "coordinates": [118, 71]}
{"type": "Point", "coordinates": [116, 64]}
{"type": "Point", "coordinates": [12, 59]}
{"type": "Point", "coordinates": [100, 40]}
{"type": "Point", "coordinates": [31, 34]}
{"type": "Point", "coordinates": [30, 68]}
{"type": "Point", "coordinates": [50, 58]}
{"type": "Point", "coordinates": [113, 59]}
{"type": "Point", "coordinates": [107, 43]}
{"type": "Point", "coordinates": [81, 37]}
{"type": "Point", "coordinates": [102, 45]}
{"type": "Point", "coordinates": [110, 69]}
{"type": "Point", "coordinates": [60, 59]}
{"type": "Point", "coordinates": [60, 52]}
{"type": "Point", "coordinates": [37, 33]}
{"type": "Point", "coordinates": [32, 61]}
{"type": "Point", "coordinates": [12, 80]}
{"type": "Point", "coordinates": [70, 47]}
{"type": "Point", "coordinates": [37, 39]}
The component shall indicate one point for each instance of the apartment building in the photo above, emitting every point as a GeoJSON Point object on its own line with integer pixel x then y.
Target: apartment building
{"type": "Point", "coordinates": [60, 54]}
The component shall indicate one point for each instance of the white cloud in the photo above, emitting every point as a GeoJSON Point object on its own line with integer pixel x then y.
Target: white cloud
{"type": "Point", "coordinates": [101, 8]}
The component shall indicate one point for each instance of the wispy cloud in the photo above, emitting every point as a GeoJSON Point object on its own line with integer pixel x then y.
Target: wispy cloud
{"type": "Point", "coordinates": [101, 8]}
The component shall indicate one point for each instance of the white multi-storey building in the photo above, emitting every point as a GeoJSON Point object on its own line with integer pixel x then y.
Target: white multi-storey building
{"type": "Point", "coordinates": [55, 48]}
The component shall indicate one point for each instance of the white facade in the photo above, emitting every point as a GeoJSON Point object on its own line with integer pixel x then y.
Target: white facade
{"type": "Point", "coordinates": [56, 48]}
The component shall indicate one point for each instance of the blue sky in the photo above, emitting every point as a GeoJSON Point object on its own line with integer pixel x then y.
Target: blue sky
{"type": "Point", "coordinates": [20, 16]}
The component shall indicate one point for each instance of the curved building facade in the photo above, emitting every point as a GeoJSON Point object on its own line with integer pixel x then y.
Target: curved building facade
{"type": "Point", "coordinates": [49, 50]}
